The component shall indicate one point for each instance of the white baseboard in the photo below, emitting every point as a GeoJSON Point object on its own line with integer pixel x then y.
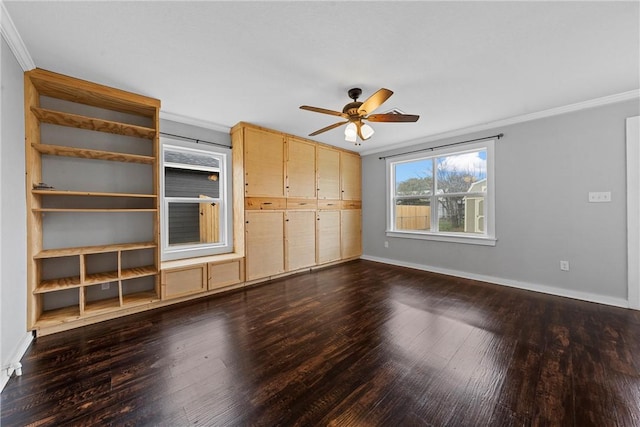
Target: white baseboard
{"type": "Point", "coordinates": [551, 290]}
{"type": "Point", "coordinates": [9, 366]}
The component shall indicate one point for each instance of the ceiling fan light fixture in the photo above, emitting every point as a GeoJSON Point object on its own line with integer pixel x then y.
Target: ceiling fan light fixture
{"type": "Point", "coordinates": [351, 132]}
{"type": "Point", "coordinates": [367, 131]}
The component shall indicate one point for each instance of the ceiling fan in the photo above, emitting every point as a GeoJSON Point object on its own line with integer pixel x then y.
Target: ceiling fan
{"type": "Point", "coordinates": [355, 112]}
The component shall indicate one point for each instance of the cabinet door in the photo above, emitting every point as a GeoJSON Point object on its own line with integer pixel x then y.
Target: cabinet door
{"type": "Point", "coordinates": [328, 164]}
{"type": "Point", "coordinates": [263, 163]}
{"type": "Point", "coordinates": [328, 236]}
{"type": "Point", "coordinates": [301, 169]}
{"type": "Point", "coordinates": [225, 273]}
{"type": "Point", "coordinates": [264, 243]}
{"type": "Point", "coordinates": [350, 233]}
{"type": "Point", "coordinates": [301, 239]}
{"type": "Point", "coordinates": [178, 282]}
{"type": "Point", "coordinates": [350, 171]}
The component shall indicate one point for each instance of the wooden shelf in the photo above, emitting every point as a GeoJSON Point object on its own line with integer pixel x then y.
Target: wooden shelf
{"type": "Point", "coordinates": [137, 118]}
{"type": "Point", "coordinates": [135, 272]}
{"type": "Point", "coordinates": [85, 153]}
{"type": "Point", "coordinates": [101, 306]}
{"type": "Point", "coordinates": [98, 278]}
{"type": "Point", "coordinates": [90, 194]}
{"type": "Point", "coordinates": [139, 298]}
{"type": "Point", "coordinates": [77, 121]}
{"type": "Point", "coordinates": [58, 316]}
{"type": "Point", "coordinates": [83, 250]}
{"type": "Point", "coordinates": [63, 283]}
{"type": "Point", "coordinates": [91, 210]}
{"type": "Point", "coordinates": [53, 285]}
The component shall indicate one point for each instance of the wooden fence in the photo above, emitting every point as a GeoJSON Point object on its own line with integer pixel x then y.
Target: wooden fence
{"type": "Point", "coordinates": [410, 217]}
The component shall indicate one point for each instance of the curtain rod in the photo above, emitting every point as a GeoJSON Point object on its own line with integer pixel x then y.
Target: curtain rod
{"type": "Point", "coordinates": [498, 136]}
{"type": "Point", "coordinates": [196, 140]}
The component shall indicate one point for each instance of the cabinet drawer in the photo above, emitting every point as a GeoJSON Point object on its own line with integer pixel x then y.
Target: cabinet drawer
{"type": "Point", "coordinates": [225, 274]}
{"type": "Point", "coordinates": [329, 204]}
{"type": "Point", "coordinates": [351, 204]}
{"type": "Point", "coordinates": [302, 204]}
{"type": "Point", "coordinates": [178, 282]}
{"type": "Point", "coordinates": [264, 203]}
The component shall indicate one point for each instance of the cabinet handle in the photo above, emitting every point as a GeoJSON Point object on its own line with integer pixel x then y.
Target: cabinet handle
{"type": "Point", "coordinates": [267, 203]}
{"type": "Point", "coordinates": [302, 204]}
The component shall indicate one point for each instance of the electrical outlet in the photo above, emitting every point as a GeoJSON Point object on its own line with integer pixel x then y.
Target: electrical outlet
{"type": "Point", "coordinates": [106, 286]}
{"type": "Point", "coordinates": [386, 244]}
{"type": "Point", "coordinates": [564, 265]}
{"type": "Point", "coordinates": [599, 196]}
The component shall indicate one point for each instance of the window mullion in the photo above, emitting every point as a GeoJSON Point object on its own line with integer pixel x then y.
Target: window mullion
{"type": "Point", "coordinates": [434, 197]}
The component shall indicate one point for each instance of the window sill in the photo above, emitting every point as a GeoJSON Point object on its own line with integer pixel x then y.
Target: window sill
{"type": "Point", "coordinates": [442, 237]}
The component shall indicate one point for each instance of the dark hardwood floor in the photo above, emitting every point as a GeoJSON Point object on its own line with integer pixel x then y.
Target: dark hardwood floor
{"type": "Point", "coordinates": [362, 344]}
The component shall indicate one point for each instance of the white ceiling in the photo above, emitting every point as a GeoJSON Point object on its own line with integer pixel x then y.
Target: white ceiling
{"type": "Point", "coordinates": [456, 64]}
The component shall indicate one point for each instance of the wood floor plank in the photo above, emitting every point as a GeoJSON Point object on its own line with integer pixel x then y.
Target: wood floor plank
{"type": "Point", "coordinates": [357, 344]}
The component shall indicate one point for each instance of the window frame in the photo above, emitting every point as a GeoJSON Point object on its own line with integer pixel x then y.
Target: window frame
{"type": "Point", "coordinates": [225, 243]}
{"type": "Point", "coordinates": [488, 238]}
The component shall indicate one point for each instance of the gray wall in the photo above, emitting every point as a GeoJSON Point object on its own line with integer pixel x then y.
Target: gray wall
{"type": "Point", "coordinates": [544, 170]}
{"type": "Point", "coordinates": [13, 229]}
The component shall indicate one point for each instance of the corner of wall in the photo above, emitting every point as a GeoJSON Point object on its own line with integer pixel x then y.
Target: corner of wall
{"type": "Point", "coordinates": [13, 365]}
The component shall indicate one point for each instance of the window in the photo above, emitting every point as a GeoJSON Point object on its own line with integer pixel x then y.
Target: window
{"type": "Point", "coordinates": [443, 195]}
{"type": "Point", "coordinates": [195, 211]}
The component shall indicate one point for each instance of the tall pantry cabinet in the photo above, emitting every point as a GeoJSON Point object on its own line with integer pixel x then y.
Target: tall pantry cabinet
{"type": "Point", "coordinates": [92, 200]}
{"type": "Point", "coordinates": [295, 221]}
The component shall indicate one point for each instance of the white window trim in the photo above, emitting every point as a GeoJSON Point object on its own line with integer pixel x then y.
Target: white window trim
{"type": "Point", "coordinates": [226, 232]}
{"type": "Point", "coordinates": [487, 239]}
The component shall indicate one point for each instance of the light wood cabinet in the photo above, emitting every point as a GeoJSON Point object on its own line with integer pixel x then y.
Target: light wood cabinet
{"type": "Point", "coordinates": [351, 233]}
{"type": "Point", "coordinates": [328, 236]}
{"type": "Point", "coordinates": [73, 278]}
{"type": "Point", "coordinates": [301, 169]}
{"type": "Point", "coordinates": [264, 231]}
{"type": "Point", "coordinates": [263, 163]}
{"type": "Point", "coordinates": [179, 282]}
{"type": "Point", "coordinates": [350, 176]}
{"type": "Point", "coordinates": [299, 225]}
{"type": "Point", "coordinates": [222, 274]}
{"type": "Point", "coordinates": [328, 164]}
{"type": "Point", "coordinates": [300, 230]}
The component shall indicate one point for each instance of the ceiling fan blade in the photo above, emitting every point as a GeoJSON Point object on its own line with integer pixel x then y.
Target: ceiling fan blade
{"type": "Point", "coordinates": [374, 101]}
{"type": "Point", "coordinates": [392, 118]}
{"type": "Point", "coordinates": [324, 111]}
{"type": "Point", "coordinates": [333, 126]}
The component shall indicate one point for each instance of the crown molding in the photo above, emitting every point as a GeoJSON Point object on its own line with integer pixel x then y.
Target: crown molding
{"type": "Point", "coordinates": [166, 115]}
{"type": "Point", "coordinates": [598, 102]}
{"type": "Point", "coordinates": [13, 39]}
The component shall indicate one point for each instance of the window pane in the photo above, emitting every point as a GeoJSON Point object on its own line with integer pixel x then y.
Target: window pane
{"type": "Point", "coordinates": [413, 214]}
{"type": "Point", "coordinates": [414, 178]}
{"type": "Point", "coordinates": [461, 214]}
{"type": "Point", "coordinates": [194, 159]}
{"type": "Point", "coordinates": [192, 223]}
{"type": "Point", "coordinates": [461, 173]}
{"type": "Point", "coordinates": [191, 183]}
